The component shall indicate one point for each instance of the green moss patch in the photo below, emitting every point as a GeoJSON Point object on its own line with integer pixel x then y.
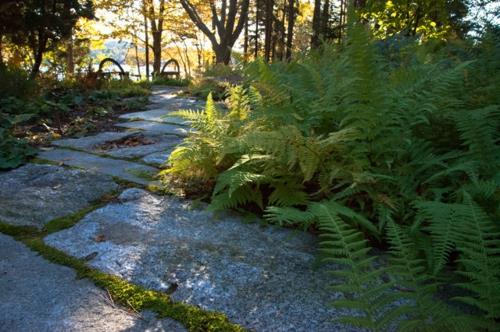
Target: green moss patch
{"type": "Point", "coordinates": [131, 296]}
{"type": "Point", "coordinates": [59, 224]}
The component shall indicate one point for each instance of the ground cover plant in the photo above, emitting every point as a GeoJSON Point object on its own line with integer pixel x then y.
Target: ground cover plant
{"type": "Point", "coordinates": [34, 112]}
{"type": "Point", "coordinates": [372, 147]}
{"type": "Point", "coordinates": [215, 80]}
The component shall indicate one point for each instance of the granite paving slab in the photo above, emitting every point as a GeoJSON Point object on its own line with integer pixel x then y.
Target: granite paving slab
{"type": "Point", "coordinates": [89, 143]}
{"type": "Point", "coordinates": [158, 158]}
{"type": "Point", "coordinates": [157, 115]}
{"type": "Point", "coordinates": [155, 127]}
{"type": "Point", "coordinates": [33, 195]}
{"type": "Point", "coordinates": [36, 295]}
{"type": "Point", "coordinates": [143, 150]}
{"type": "Point", "coordinates": [175, 104]}
{"type": "Point", "coordinates": [262, 278]}
{"type": "Point", "coordinates": [160, 90]}
{"type": "Point", "coordinates": [159, 98]}
{"type": "Point", "coordinates": [103, 144]}
{"type": "Point", "coordinates": [126, 170]}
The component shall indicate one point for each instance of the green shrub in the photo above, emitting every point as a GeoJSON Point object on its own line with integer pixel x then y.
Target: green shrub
{"type": "Point", "coordinates": [216, 80]}
{"type": "Point", "coordinates": [126, 88]}
{"type": "Point", "coordinates": [16, 87]}
{"type": "Point", "coordinates": [402, 156]}
{"type": "Point", "coordinates": [13, 151]}
{"type": "Point", "coordinates": [202, 87]}
{"type": "Point", "coordinates": [62, 104]}
{"type": "Point", "coordinates": [171, 81]}
{"type": "Point", "coordinates": [15, 83]}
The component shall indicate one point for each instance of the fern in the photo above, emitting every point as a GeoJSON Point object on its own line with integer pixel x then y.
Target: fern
{"type": "Point", "coordinates": [426, 312]}
{"type": "Point", "coordinates": [289, 216]}
{"type": "Point", "coordinates": [443, 219]}
{"type": "Point", "coordinates": [479, 245]}
{"type": "Point", "coordinates": [360, 283]}
{"type": "Point", "coordinates": [405, 155]}
{"type": "Point", "coordinates": [479, 133]}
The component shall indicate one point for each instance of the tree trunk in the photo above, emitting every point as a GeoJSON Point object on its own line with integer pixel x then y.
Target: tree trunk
{"type": "Point", "coordinates": [188, 74]}
{"type": "Point", "coordinates": [245, 42]}
{"type": "Point", "coordinates": [222, 54]}
{"type": "Point", "coordinates": [341, 19]}
{"type": "Point", "coordinates": [70, 60]}
{"type": "Point", "coordinates": [137, 59]}
{"type": "Point", "coordinates": [291, 23]}
{"type": "Point", "coordinates": [156, 23]}
{"type": "Point", "coordinates": [325, 19]}
{"type": "Point", "coordinates": [257, 20]}
{"type": "Point", "coordinates": [278, 49]}
{"type": "Point", "coordinates": [227, 28]}
{"type": "Point", "coordinates": [269, 30]}
{"type": "Point", "coordinates": [1, 51]}
{"type": "Point", "coordinates": [181, 58]}
{"type": "Point", "coordinates": [156, 52]}
{"type": "Point", "coordinates": [316, 24]}
{"type": "Point", "coordinates": [38, 55]}
{"type": "Point", "coordinates": [146, 42]}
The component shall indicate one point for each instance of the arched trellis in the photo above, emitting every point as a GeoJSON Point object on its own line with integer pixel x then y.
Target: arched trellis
{"type": "Point", "coordinates": [123, 74]}
{"type": "Point", "coordinates": [176, 72]}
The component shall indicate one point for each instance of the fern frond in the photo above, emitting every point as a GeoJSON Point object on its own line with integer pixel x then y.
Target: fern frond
{"type": "Point", "coordinates": [288, 194]}
{"type": "Point", "coordinates": [239, 197]}
{"type": "Point", "coordinates": [479, 245]}
{"type": "Point", "coordinates": [233, 179]}
{"type": "Point", "coordinates": [479, 133]}
{"type": "Point", "coordinates": [444, 229]}
{"type": "Point", "coordinates": [289, 216]}
{"type": "Point", "coordinates": [361, 284]}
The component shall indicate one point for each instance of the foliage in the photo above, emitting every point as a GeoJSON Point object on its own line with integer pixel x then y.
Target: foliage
{"type": "Point", "coordinates": [41, 25]}
{"type": "Point", "coordinates": [13, 150]}
{"type": "Point", "coordinates": [216, 80]}
{"type": "Point", "coordinates": [171, 81]}
{"type": "Point", "coordinates": [28, 111]}
{"type": "Point", "coordinates": [430, 19]}
{"type": "Point", "coordinates": [15, 83]}
{"type": "Point", "coordinates": [400, 152]}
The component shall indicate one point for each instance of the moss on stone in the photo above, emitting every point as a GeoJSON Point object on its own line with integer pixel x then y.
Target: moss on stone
{"type": "Point", "coordinates": [127, 184]}
{"type": "Point", "coordinates": [126, 294]}
{"type": "Point", "coordinates": [68, 221]}
{"type": "Point", "coordinates": [18, 231]}
{"type": "Point", "coordinates": [59, 224]}
{"type": "Point", "coordinates": [145, 175]}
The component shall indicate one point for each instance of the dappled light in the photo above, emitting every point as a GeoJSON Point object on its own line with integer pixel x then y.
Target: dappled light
{"type": "Point", "coordinates": [260, 165]}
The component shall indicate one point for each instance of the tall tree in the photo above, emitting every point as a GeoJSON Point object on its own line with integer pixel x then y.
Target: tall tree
{"type": "Point", "coordinates": [292, 11]}
{"type": "Point", "coordinates": [227, 24]}
{"type": "Point", "coordinates": [70, 56]}
{"type": "Point", "coordinates": [47, 22]}
{"type": "Point", "coordinates": [316, 24]}
{"type": "Point", "coordinates": [156, 19]}
{"type": "Point", "coordinates": [257, 31]}
{"type": "Point", "coordinates": [146, 35]}
{"type": "Point", "coordinates": [10, 24]}
{"type": "Point", "coordinates": [269, 19]}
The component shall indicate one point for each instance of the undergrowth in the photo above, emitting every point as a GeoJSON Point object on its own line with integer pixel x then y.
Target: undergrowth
{"type": "Point", "coordinates": [33, 112]}
{"type": "Point", "coordinates": [374, 152]}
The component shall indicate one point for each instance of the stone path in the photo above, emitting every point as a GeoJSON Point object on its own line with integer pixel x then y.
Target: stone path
{"type": "Point", "coordinates": [37, 296]}
{"type": "Point", "coordinates": [261, 278]}
{"type": "Point", "coordinates": [33, 195]}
